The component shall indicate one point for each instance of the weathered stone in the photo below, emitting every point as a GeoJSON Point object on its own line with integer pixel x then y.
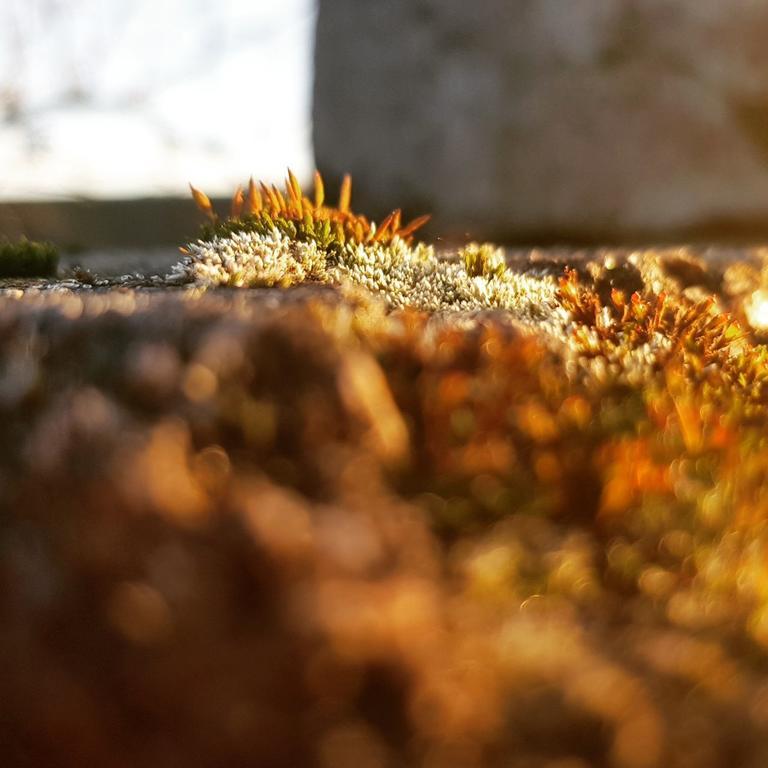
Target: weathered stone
{"type": "Point", "coordinates": [596, 118]}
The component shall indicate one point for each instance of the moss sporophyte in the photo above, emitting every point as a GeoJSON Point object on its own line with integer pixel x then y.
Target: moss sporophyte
{"type": "Point", "coordinates": [282, 238]}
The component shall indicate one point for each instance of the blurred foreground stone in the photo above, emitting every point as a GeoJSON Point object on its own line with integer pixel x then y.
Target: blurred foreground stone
{"type": "Point", "coordinates": [290, 528]}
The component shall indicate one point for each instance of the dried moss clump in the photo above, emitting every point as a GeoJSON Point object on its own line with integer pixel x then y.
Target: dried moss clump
{"type": "Point", "coordinates": [28, 258]}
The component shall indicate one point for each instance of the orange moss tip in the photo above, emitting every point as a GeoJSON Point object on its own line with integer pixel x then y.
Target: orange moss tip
{"type": "Point", "coordinates": [253, 202]}
{"type": "Point", "coordinates": [238, 200]}
{"type": "Point", "coordinates": [203, 202]}
{"type": "Point", "coordinates": [270, 205]}
{"type": "Point", "coordinates": [319, 190]}
{"type": "Point", "coordinates": [417, 223]}
{"type": "Point", "coordinates": [345, 194]}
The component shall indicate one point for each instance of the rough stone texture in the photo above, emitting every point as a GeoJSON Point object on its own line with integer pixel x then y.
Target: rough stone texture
{"type": "Point", "coordinates": [594, 118]}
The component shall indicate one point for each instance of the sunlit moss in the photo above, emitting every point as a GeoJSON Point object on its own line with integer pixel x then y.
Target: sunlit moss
{"type": "Point", "coordinates": [275, 238]}
{"type": "Point", "coordinates": [262, 209]}
{"type": "Point", "coordinates": [28, 258]}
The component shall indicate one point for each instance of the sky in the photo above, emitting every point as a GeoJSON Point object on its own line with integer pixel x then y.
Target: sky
{"type": "Point", "coordinates": [110, 99]}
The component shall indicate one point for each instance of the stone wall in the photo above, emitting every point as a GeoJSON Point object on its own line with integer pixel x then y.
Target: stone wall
{"type": "Point", "coordinates": [612, 119]}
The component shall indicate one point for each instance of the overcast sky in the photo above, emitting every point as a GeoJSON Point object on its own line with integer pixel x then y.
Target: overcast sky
{"type": "Point", "coordinates": [109, 98]}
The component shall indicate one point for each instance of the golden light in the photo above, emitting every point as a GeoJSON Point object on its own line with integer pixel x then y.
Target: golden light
{"type": "Point", "coordinates": [757, 310]}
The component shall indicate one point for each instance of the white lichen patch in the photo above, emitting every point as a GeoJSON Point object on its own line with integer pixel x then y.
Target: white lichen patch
{"type": "Point", "coordinates": [405, 275]}
{"type": "Point", "coordinates": [247, 259]}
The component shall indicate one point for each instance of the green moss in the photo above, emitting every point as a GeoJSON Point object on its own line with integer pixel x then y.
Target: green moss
{"type": "Point", "coordinates": [483, 260]}
{"type": "Point", "coordinates": [305, 230]}
{"type": "Point", "coordinates": [264, 209]}
{"type": "Point", "coordinates": [28, 258]}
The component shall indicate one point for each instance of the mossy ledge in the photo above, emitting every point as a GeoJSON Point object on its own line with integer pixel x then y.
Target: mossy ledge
{"type": "Point", "coordinates": [275, 238]}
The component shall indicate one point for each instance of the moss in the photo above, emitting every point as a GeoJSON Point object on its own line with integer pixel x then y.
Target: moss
{"type": "Point", "coordinates": [28, 258]}
{"type": "Point", "coordinates": [264, 208]}
{"type": "Point", "coordinates": [275, 238]}
{"type": "Point", "coordinates": [483, 260]}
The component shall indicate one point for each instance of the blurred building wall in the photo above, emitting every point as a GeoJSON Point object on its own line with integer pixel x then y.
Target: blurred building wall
{"type": "Point", "coordinates": [594, 119]}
